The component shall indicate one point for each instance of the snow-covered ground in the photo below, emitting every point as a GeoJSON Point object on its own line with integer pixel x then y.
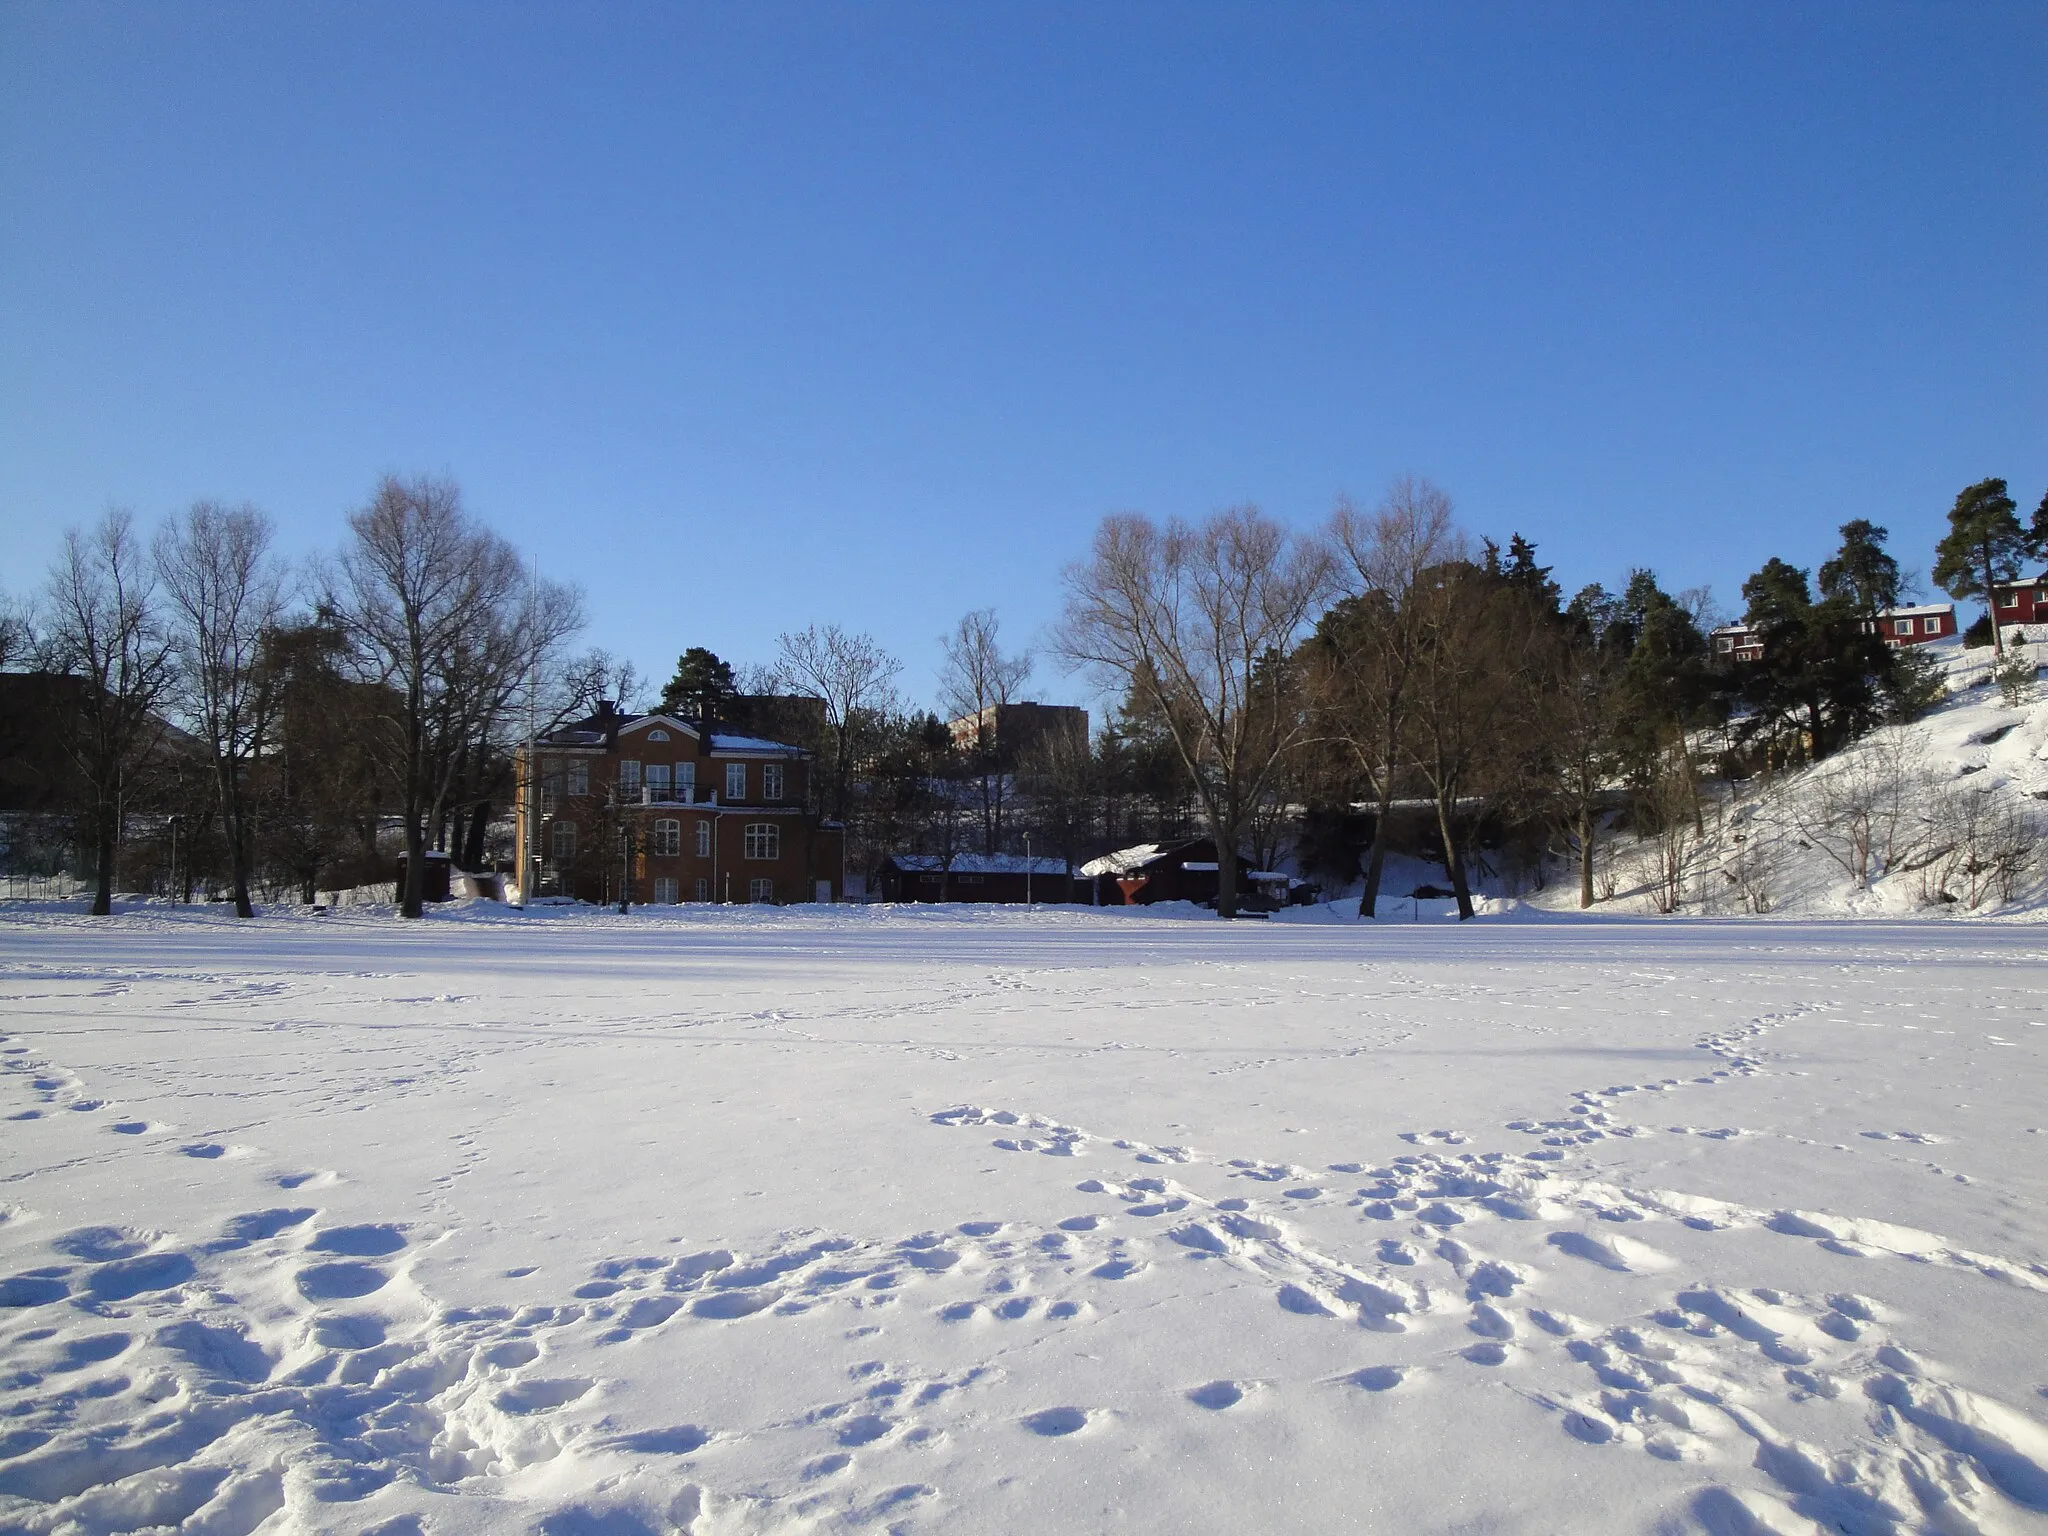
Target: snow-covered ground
{"type": "Point", "coordinates": [993, 1221]}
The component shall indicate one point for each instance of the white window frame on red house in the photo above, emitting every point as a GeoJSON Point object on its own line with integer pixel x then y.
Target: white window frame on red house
{"type": "Point", "coordinates": [703, 839]}
{"type": "Point", "coordinates": [629, 775]}
{"type": "Point", "coordinates": [771, 781]}
{"type": "Point", "coordinates": [703, 889]}
{"type": "Point", "coordinates": [735, 781]}
{"type": "Point", "coordinates": [667, 841]}
{"type": "Point", "coordinates": [1902, 626]}
{"type": "Point", "coordinates": [562, 840]}
{"type": "Point", "coordinates": [759, 890]}
{"type": "Point", "coordinates": [762, 840]}
{"type": "Point", "coordinates": [665, 891]}
{"type": "Point", "coordinates": [658, 780]}
{"type": "Point", "coordinates": [686, 782]}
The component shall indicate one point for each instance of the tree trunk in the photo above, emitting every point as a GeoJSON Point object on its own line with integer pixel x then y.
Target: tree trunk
{"type": "Point", "coordinates": [1226, 873]}
{"type": "Point", "coordinates": [1585, 857]}
{"type": "Point", "coordinates": [1376, 857]}
{"type": "Point", "coordinates": [234, 828]}
{"type": "Point", "coordinates": [1454, 859]}
{"type": "Point", "coordinates": [105, 839]}
{"type": "Point", "coordinates": [412, 900]}
{"type": "Point", "coordinates": [1991, 607]}
{"type": "Point", "coordinates": [473, 843]}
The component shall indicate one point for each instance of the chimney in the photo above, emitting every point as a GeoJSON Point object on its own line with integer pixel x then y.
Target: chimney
{"type": "Point", "coordinates": [608, 722]}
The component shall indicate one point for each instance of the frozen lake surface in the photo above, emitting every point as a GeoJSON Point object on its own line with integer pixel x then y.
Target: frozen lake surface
{"type": "Point", "coordinates": [746, 1220]}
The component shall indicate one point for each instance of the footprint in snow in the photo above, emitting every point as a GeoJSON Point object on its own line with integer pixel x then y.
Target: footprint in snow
{"type": "Point", "coordinates": [1378, 1378]}
{"type": "Point", "coordinates": [1054, 1422]}
{"type": "Point", "coordinates": [1217, 1395]}
{"type": "Point", "coordinates": [361, 1242]}
{"type": "Point", "coordinates": [340, 1282]}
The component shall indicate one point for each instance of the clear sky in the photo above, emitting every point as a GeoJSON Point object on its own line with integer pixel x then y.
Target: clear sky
{"type": "Point", "coordinates": [748, 316]}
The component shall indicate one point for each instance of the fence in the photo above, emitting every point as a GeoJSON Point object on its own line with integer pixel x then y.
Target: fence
{"type": "Point", "coordinates": [41, 887]}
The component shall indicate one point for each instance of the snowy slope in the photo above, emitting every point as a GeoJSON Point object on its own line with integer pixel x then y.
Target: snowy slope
{"type": "Point", "coordinates": [1788, 845]}
{"type": "Point", "coordinates": [994, 1221]}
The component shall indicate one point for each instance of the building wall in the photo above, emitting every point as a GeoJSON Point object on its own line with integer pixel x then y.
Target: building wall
{"type": "Point", "coordinates": [699, 844]}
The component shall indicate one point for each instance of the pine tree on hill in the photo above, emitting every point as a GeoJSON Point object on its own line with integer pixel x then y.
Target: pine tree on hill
{"type": "Point", "coordinates": [1985, 546]}
{"type": "Point", "coordinates": [1862, 572]}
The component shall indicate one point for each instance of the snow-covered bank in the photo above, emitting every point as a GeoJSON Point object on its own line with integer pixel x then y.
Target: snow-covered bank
{"type": "Point", "coordinates": [745, 1219]}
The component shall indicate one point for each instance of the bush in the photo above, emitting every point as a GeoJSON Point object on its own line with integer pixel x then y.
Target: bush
{"type": "Point", "coordinates": [2015, 676]}
{"type": "Point", "coordinates": [1978, 635]}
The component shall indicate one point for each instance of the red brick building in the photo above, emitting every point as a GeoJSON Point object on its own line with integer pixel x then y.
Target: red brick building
{"type": "Point", "coordinates": [662, 810]}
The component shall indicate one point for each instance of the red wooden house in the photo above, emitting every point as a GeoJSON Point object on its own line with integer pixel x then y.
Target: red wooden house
{"type": "Point", "coordinates": [1913, 626]}
{"type": "Point", "coordinates": [2021, 602]}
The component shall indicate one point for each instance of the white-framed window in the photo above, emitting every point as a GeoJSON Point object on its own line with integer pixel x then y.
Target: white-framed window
{"type": "Point", "coordinates": [629, 776]}
{"type": "Point", "coordinates": [2009, 600]}
{"type": "Point", "coordinates": [657, 780]}
{"type": "Point", "coordinates": [664, 891]}
{"type": "Point", "coordinates": [686, 781]}
{"type": "Point", "coordinates": [579, 778]}
{"type": "Point", "coordinates": [763, 840]}
{"type": "Point", "coordinates": [1903, 626]}
{"type": "Point", "coordinates": [771, 781]}
{"type": "Point", "coordinates": [667, 841]}
{"type": "Point", "coordinates": [760, 890]}
{"type": "Point", "coordinates": [703, 889]}
{"type": "Point", "coordinates": [657, 735]}
{"type": "Point", "coordinates": [1724, 644]}
{"type": "Point", "coordinates": [563, 839]}
{"type": "Point", "coordinates": [735, 781]}
{"type": "Point", "coordinates": [703, 841]}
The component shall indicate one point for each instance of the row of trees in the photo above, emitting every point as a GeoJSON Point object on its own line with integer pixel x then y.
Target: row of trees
{"type": "Point", "coordinates": [1382, 677]}
{"type": "Point", "coordinates": [318, 705]}
{"type": "Point", "coordinates": [1385, 661]}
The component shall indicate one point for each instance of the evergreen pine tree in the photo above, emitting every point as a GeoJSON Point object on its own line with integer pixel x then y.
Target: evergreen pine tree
{"type": "Point", "coordinates": [1984, 547]}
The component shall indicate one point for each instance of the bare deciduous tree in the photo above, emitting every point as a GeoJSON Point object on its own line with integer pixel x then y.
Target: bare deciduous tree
{"type": "Point", "coordinates": [440, 612]}
{"type": "Point", "coordinates": [105, 630]}
{"type": "Point", "coordinates": [977, 680]}
{"type": "Point", "coordinates": [1206, 616]}
{"type": "Point", "coordinates": [853, 675]}
{"type": "Point", "coordinates": [226, 592]}
{"type": "Point", "coordinates": [1381, 561]}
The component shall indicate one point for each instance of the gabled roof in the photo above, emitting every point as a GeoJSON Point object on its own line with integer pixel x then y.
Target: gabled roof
{"type": "Point", "coordinates": [595, 730]}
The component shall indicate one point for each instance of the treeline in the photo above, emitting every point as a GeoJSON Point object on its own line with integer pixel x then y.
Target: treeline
{"type": "Point", "coordinates": [187, 708]}
{"type": "Point", "coordinates": [1455, 679]}
{"type": "Point", "coordinates": [190, 711]}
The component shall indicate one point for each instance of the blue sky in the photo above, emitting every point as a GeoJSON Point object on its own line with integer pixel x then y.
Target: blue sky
{"type": "Point", "coordinates": [748, 317]}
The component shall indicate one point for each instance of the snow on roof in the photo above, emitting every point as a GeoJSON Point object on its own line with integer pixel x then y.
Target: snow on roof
{"type": "Point", "coordinates": [1124, 860]}
{"type": "Point", "coordinates": [1914, 613]}
{"type": "Point", "coordinates": [720, 742]}
{"type": "Point", "coordinates": [981, 863]}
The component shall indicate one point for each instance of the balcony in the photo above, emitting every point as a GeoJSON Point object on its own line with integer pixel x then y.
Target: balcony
{"type": "Point", "coordinates": [667, 794]}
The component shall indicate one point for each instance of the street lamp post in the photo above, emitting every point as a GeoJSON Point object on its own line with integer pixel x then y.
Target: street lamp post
{"type": "Point", "coordinates": [1027, 869]}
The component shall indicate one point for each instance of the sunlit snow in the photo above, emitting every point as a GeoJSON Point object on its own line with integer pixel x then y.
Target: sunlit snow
{"type": "Point", "coordinates": [991, 1221]}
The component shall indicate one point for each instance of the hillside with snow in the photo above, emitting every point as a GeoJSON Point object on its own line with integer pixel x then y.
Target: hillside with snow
{"type": "Point", "coordinates": [1938, 817]}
